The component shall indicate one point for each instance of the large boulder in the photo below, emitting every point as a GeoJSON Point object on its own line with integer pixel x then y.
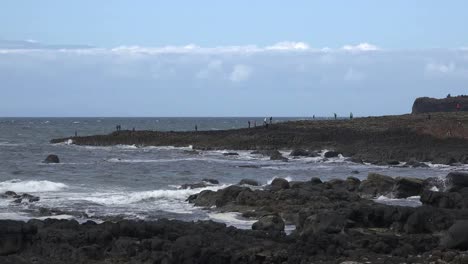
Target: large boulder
{"type": "Point", "coordinates": [279, 184]}
{"type": "Point", "coordinates": [428, 219]}
{"type": "Point", "coordinates": [12, 236]}
{"type": "Point", "coordinates": [193, 185]}
{"type": "Point", "coordinates": [331, 154]}
{"type": "Point", "coordinates": [456, 237]}
{"type": "Point", "coordinates": [52, 159]}
{"type": "Point", "coordinates": [249, 182]}
{"type": "Point", "coordinates": [406, 187]}
{"type": "Point", "coordinates": [302, 153]}
{"type": "Point", "coordinates": [328, 222]}
{"type": "Point", "coordinates": [271, 222]}
{"type": "Point", "coordinates": [278, 156]}
{"type": "Point", "coordinates": [456, 180]}
{"type": "Point", "coordinates": [376, 184]}
{"type": "Point", "coordinates": [448, 200]}
{"type": "Point", "coordinates": [210, 181]}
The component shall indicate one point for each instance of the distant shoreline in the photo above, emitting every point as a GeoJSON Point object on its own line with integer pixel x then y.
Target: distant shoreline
{"type": "Point", "coordinates": [440, 138]}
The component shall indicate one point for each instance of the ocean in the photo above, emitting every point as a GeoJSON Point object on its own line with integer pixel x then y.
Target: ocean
{"type": "Point", "coordinates": [132, 182]}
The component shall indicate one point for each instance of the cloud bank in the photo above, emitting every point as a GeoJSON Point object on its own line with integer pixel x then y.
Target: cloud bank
{"type": "Point", "coordinates": [284, 79]}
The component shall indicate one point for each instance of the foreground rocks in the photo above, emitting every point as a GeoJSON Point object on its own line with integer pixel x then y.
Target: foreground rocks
{"type": "Point", "coordinates": [334, 224]}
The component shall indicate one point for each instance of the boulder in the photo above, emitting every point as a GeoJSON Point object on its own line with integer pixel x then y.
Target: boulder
{"type": "Point", "coordinates": [456, 237]}
{"type": "Point", "coordinates": [416, 164]}
{"type": "Point", "coordinates": [328, 222]}
{"type": "Point", "coordinates": [406, 187]}
{"type": "Point", "coordinates": [271, 222]}
{"type": "Point", "coordinates": [211, 181]}
{"type": "Point", "coordinates": [249, 182]}
{"type": "Point", "coordinates": [279, 184]}
{"type": "Point", "coordinates": [300, 153]}
{"type": "Point", "coordinates": [193, 185]}
{"type": "Point", "coordinates": [331, 154]}
{"type": "Point", "coordinates": [52, 159]}
{"type": "Point", "coordinates": [231, 154]}
{"type": "Point", "coordinates": [449, 200]}
{"type": "Point", "coordinates": [393, 162]}
{"type": "Point", "coordinates": [316, 180]}
{"type": "Point", "coordinates": [455, 180]}
{"type": "Point", "coordinates": [278, 156]}
{"type": "Point", "coordinates": [376, 184]}
{"type": "Point", "coordinates": [428, 219]}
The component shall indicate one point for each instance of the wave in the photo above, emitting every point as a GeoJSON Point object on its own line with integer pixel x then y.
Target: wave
{"type": "Point", "coordinates": [31, 186]}
{"type": "Point", "coordinates": [146, 196]}
{"type": "Point", "coordinates": [413, 201]}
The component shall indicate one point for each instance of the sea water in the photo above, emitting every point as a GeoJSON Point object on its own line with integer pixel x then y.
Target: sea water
{"type": "Point", "coordinates": [131, 182]}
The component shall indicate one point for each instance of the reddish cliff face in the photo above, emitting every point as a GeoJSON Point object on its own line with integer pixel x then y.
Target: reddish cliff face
{"type": "Point", "coordinates": [450, 104]}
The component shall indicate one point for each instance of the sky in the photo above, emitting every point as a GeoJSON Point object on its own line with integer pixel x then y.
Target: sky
{"type": "Point", "coordinates": [236, 58]}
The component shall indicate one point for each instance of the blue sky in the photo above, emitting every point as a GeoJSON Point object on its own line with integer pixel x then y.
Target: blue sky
{"type": "Point", "coordinates": [236, 58]}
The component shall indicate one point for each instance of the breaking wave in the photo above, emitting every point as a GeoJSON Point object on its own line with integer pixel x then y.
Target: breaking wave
{"type": "Point", "coordinates": [31, 186]}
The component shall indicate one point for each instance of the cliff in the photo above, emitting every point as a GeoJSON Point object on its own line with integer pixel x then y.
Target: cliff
{"type": "Point", "coordinates": [449, 104]}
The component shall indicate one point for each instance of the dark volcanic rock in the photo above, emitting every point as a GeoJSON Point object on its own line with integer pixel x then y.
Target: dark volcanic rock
{"type": "Point", "coordinates": [52, 159]}
{"type": "Point", "coordinates": [427, 105]}
{"type": "Point", "coordinates": [249, 182]}
{"type": "Point", "coordinates": [456, 236]}
{"type": "Point", "coordinates": [303, 153]}
{"type": "Point", "coordinates": [278, 156]}
{"type": "Point", "coordinates": [231, 154]}
{"type": "Point", "coordinates": [376, 184]}
{"type": "Point", "coordinates": [456, 180]}
{"type": "Point", "coordinates": [416, 164]}
{"type": "Point", "coordinates": [406, 187]}
{"type": "Point", "coordinates": [449, 200]}
{"type": "Point", "coordinates": [269, 223]}
{"type": "Point", "coordinates": [331, 154]}
{"type": "Point", "coordinates": [279, 184]}
{"type": "Point", "coordinates": [211, 181]}
{"type": "Point", "coordinates": [193, 185]}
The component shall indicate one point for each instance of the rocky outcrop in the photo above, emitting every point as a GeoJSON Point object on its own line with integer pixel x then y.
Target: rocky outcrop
{"type": "Point", "coordinates": [52, 159]}
{"type": "Point", "coordinates": [249, 182]}
{"type": "Point", "coordinates": [449, 104]}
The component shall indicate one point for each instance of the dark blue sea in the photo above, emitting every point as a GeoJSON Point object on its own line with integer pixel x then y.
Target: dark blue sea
{"type": "Point", "coordinates": [131, 182]}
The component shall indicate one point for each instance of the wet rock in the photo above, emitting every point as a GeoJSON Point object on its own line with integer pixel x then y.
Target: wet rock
{"type": "Point", "coordinates": [355, 172]}
{"type": "Point", "coordinates": [193, 185]}
{"type": "Point", "coordinates": [302, 153]}
{"type": "Point", "coordinates": [211, 181]}
{"type": "Point", "coordinates": [376, 184]}
{"type": "Point", "coordinates": [416, 164]}
{"type": "Point", "coordinates": [279, 184]}
{"type": "Point", "coordinates": [407, 187]}
{"type": "Point", "coordinates": [278, 156]}
{"type": "Point", "coordinates": [352, 184]}
{"type": "Point", "coordinates": [456, 180]}
{"type": "Point", "coordinates": [393, 162]}
{"type": "Point", "coordinates": [427, 219]}
{"type": "Point", "coordinates": [249, 166]}
{"type": "Point", "coordinates": [316, 180]}
{"type": "Point", "coordinates": [431, 182]}
{"type": "Point", "coordinates": [331, 154]}
{"type": "Point", "coordinates": [249, 182]}
{"type": "Point", "coordinates": [269, 223]}
{"type": "Point", "coordinates": [52, 159]}
{"type": "Point", "coordinates": [449, 200]}
{"type": "Point", "coordinates": [265, 152]}
{"type": "Point", "coordinates": [328, 222]}
{"type": "Point", "coordinates": [231, 154]}
{"type": "Point", "coordinates": [456, 237]}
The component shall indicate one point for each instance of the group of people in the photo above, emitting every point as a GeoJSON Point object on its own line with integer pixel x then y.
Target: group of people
{"type": "Point", "coordinates": [118, 127]}
{"type": "Point", "coordinates": [265, 122]}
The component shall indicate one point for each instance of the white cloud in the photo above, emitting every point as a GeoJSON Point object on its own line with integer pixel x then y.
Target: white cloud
{"type": "Point", "coordinates": [441, 68]}
{"type": "Point", "coordinates": [354, 75]}
{"type": "Point", "coordinates": [240, 73]}
{"type": "Point", "coordinates": [214, 67]}
{"type": "Point", "coordinates": [289, 46]}
{"type": "Point", "coordinates": [360, 47]}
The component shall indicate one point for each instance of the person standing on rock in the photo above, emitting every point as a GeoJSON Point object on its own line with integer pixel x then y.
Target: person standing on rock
{"type": "Point", "coordinates": [271, 120]}
{"type": "Point", "coordinates": [335, 116]}
{"type": "Point", "coordinates": [351, 115]}
{"type": "Point", "coordinates": [249, 123]}
{"type": "Point", "coordinates": [196, 128]}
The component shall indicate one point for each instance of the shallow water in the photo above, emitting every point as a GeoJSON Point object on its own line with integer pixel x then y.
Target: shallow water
{"type": "Point", "coordinates": [132, 182]}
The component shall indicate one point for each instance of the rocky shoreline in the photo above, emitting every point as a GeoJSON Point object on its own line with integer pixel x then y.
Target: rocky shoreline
{"type": "Point", "coordinates": [439, 138]}
{"type": "Point", "coordinates": [336, 222]}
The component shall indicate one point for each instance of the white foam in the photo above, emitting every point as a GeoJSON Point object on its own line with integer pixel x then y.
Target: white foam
{"type": "Point", "coordinates": [434, 189]}
{"type": "Point", "coordinates": [31, 186]}
{"type": "Point", "coordinates": [135, 197]}
{"type": "Point", "coordinates": [413, 201]}
{"type": "Point", "coordinates": [232, 219]}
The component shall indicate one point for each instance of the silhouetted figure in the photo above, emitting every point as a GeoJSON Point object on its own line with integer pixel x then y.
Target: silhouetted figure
{"type": "Point", "coordinates": [351, 115]}
{"type": "Point", "coordinates": [196, 128]}
{"type": "Point", "coordinates": [249, 123]}
{"type": "Point", "coordinates": [313, 117]}
{"type": "Point", "coordinates": [335, 116]}
{"type": "Point", "coordinates": [76, 133]}
{"type": "Point", "coordinates": [271, 120]}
